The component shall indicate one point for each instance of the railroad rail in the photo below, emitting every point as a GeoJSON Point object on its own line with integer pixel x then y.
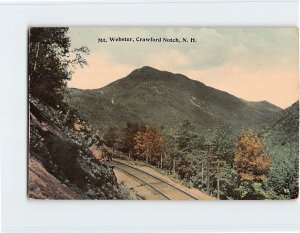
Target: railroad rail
{"type": "Point", "coordinates": [166, 190]}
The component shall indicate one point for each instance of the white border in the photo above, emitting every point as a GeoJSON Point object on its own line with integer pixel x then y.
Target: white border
{"type": "Point", "coordinates": [21, 215]}
{"type": "Point", "coordinates": [58, 2]}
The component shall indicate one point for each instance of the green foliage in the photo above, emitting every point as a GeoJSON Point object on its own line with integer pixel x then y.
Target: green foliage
{"type": "Point", "coordinates": [249, 190]}
{"type": "Point", "coordinates": [259, 172]}
{"type": "Point", "coordinates": [51, 63]}
{"type": "Point", "coordinates": [228, 182]}
{"type": "Point", "coordinates": [284, 175]}
{"type": "Point", "coordinates": [128, 138]}
{"type": "Point", "coordinates": [282, 143]}
{"type": "Point", "coordinates": [172, 153]}
{"type": "Point", "coordinates": [111, 138]}
{"type": "Point", "coordinates": [184, 136]}
{"type": "Point", "coordinates": [184, 168]}
{"type": "Point", "coordinates": [224, 143]}
{"type": "Point", "coordinates": [187, 139]}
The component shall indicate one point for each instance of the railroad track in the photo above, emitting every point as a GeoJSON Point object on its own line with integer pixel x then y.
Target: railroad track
{"type": "Point", "coordinates": [163, 189]}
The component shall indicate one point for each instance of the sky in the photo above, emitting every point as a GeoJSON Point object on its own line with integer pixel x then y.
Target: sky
{"type": "Point", "coordinates": [251, 63]}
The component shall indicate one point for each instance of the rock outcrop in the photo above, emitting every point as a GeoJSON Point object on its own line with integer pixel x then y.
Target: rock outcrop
{"type": "Point", "coordinates": [61, 165]}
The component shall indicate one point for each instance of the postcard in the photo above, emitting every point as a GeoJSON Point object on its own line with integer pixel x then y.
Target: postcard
{"type": "Point", "coordinates": [163, 113]}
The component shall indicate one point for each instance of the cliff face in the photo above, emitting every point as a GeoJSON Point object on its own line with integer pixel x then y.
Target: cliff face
{"type": "Point", "coordinates": [61, 166]}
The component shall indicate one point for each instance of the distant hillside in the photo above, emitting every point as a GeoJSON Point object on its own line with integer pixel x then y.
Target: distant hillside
{"type": "Point", "coordinates": [285, 126]}
{"type": "Point", "coordinates": [164, 99]}
{"type": "Point", "coordinates": [281, 138]}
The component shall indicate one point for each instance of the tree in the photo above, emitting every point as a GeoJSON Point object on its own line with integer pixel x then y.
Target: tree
{"type": "Point", "coordinates": [51, 63]}
{"type": "Point", "coordinates": [228, 183]}
{"type": "Point", "coordinates": [182, 152]}
{"type": "Point", "coordinates": [184, 135]}
{"type": "Point", "coordinates": [187, 140]}
{"type": "Point", "coordinates": [223, 142]}
{"type": "Point", "coordinates": [252, 165]}
{"type": "Point", "coordinates": [149, 144]}
{"type": "Point", "coordinates": [284, 175]}
{"type": "Point", "coordinates": [111, 138]}
{"type": "Point", "coordinates": [128, 140]}
{"type": "Point", "coordinates": [220, 162]}
{"type": "Point", "coordinates": [171, 153]}
{"type": "Point", "coordinates": [251, 161]}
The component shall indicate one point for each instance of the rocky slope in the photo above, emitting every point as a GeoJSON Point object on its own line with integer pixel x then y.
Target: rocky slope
{"type": "Point", "coordinates": [165, 99]}
{"type": "Point", "coordinates": [43, 185]}
{"type": "Point", "coordinates": [61, 166]}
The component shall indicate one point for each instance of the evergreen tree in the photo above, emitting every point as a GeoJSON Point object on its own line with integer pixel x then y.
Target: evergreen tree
{"type": "Point", "coordinates": [184, 135]}
{"type": "Point", "coordinates": [223, 142]}
{"type": "Point", "coordinates": [111, 137]}
{"type": "Point", "coordinates": [284, 174]}
{"type": "Point", "coordinates": [128, 140]}
{"type": "Point", "coordinates": [187, 140]}
{"type": "Point", "coordinates": [186, 154]}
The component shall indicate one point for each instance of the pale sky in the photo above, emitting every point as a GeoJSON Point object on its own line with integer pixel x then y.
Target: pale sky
{"type": "Point", "coordinates": [254, 64]}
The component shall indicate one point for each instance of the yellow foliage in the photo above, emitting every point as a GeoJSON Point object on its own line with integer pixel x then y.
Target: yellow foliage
{"type": "Point", "coordinates": [149, 143]}
{"type": "Point", "coordinates": [251, 161]}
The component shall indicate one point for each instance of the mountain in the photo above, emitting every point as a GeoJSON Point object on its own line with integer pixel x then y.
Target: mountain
{"type": "Point", "coordinates": [165, 99]}
{"type": "Point", "coordinates": [285, 126]}
{"type": "Point", "coordinates": [281, 139]}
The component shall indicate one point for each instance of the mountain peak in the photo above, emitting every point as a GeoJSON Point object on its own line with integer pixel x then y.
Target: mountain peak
{"type": "Point", "coordinates": [150, 73]}
{"type": "Point", "coordinates": [148, 68]}
{"type": "Point", "coordinates": [146, 71]}
{"type": "Point", "coordinates": [162, 98]}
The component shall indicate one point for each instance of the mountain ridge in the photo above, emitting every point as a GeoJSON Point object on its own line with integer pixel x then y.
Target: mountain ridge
{"type": "Point", "coordinates": [172, 97]}
{"type": "Point", "coordinates": [154, 70]}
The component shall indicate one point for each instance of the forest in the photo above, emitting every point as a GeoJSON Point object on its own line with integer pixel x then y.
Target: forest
{"type": "Point", "coordinates": [254, 163]}
{"type": "Point", "coordinates": [227, 167]}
